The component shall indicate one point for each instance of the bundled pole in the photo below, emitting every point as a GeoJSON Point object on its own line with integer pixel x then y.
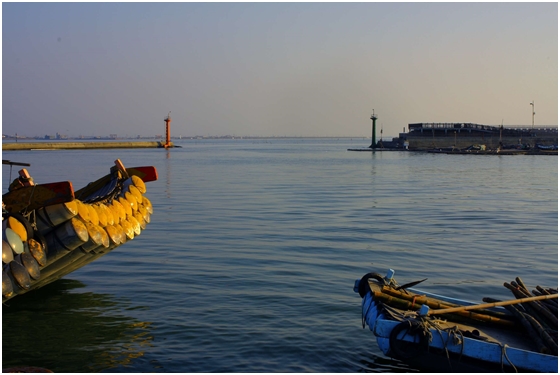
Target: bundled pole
{"type": "Point", "coordinates": [493, 304]}
{"type": "Point", "coordinates": [539, 316]}
{"type": "Point", "coordinates": [432, 303]}
{"type": "Point", "coordinates": [457, 311]}
{"type": "Point", "coordinates": [543, 334]}
{"type": "Point", "coordinates": [550, 304]}
{"type": "Point", "coordinates": [521, 318]}
{"type": "Point", "coordinates": [536, 309]}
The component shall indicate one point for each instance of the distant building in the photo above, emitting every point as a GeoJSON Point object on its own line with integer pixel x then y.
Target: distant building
{"type": "Point", "coordinates": [427, 136]}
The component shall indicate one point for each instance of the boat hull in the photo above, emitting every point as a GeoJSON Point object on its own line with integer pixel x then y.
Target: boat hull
{"type": "Point", "coordinates": [81, 227]}
{"type": "Point", "coordinates": [447, 350]}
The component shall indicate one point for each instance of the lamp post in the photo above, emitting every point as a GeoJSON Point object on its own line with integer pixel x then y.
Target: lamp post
{"type": "Point", "coordinates": [373, 119]}
{"type": "Point", "coordinates": [455, 145]}
{"type": "Point", "coordinates": [532, 104]}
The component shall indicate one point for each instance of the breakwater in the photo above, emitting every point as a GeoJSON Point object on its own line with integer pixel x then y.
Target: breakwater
{"type": "Point", "coordinates": [78, 145]}
{"type": "Point", "coordinates": [464, 139]}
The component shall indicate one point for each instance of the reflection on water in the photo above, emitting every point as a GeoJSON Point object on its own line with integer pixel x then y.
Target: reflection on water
{"type": "Point", "coordinates": [168, 173]}
{"type": "Point", "coordinates": [65, 330]}
{"type": "Point", "coordinates": [374, 363]}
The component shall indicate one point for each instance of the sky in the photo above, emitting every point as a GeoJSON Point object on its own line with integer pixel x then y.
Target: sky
{"type": "Point", "coordinates": [274, 69]}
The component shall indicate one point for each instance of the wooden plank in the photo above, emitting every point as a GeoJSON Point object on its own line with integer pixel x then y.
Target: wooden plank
{"type": "Point", "coordinates": [8, 162]}
{"type": "Point", "coordinates": [146, 173]}
{"type": "Point", "coordinates": [32, 197]}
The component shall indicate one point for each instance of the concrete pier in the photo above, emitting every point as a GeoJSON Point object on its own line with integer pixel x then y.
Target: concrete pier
{"type": "Point", "coordinates": [78, 145]}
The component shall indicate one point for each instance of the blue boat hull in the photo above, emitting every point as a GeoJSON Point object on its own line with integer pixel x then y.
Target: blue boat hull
{"type": "Point", "coordinates": [446, 350]}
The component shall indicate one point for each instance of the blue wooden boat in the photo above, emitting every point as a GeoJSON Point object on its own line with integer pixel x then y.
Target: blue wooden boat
{"type": "Point", "coordinates": [470, 338]}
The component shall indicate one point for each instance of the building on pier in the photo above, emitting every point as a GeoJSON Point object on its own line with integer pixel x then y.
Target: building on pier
{"type": "Point", "coordinates": [428, 136]}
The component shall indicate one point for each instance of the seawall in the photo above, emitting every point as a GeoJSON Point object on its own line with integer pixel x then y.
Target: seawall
{"type": "Point", "coordinates": [77, 145]}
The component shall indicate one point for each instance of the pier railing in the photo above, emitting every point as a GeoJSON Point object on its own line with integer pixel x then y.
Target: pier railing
{"type": "Point", "coordinates": [492, 128]}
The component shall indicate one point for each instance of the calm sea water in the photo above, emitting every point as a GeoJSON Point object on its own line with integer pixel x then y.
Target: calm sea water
{"type": "Point", "coordinates": [250, 258]}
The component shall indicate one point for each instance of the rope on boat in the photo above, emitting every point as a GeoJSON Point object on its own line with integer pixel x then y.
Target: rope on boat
{"type": "Point", "coordinates": [30, 197]}
{"type": "Point", "coordinates": [415, 329]}
{"type": "Point", "coordinates": [504, 355]}
{"type": "Point", "coordinates": [421, 328]}
{"type": "Point", "coordinates": [457, 337]}
{"type": "Point", "coordinates": [538, 318]}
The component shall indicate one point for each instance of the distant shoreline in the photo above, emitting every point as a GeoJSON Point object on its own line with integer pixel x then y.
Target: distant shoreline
{"type": "Point", "coordinates": [26, 146]}
{"type": "Point", "coordinates": [68, 144]}
{"type": "Point", "coordinates": [31, 139]}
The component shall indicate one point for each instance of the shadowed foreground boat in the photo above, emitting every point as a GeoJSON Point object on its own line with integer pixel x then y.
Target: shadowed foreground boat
{"type": "Point", "coordinates": [436, 333]}
{"type": "Point", "coordinates": [50, 230]}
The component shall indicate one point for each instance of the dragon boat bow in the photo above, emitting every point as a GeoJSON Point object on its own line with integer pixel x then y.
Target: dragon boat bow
{"type": "Point", "coordinates": [50, 230]}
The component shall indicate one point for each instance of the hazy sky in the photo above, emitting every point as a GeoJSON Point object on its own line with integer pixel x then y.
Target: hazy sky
{"type": "Point", "coordinates": [274, 69]}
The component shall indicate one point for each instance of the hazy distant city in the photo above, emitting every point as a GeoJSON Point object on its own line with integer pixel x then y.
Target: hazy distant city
{"type": "Point", "coordinates": [62, 137]}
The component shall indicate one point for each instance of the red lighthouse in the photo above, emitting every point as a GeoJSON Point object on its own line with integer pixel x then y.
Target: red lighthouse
{"type": "Point", "coordinates": [167, 134]}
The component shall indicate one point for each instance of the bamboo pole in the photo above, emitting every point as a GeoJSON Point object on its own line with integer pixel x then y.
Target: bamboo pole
{"type": "Point", "coordinates": [494, 304]}
{"type": "Point", "coordinates": [544, 291]}
{"type": "Point", "coordinates": [549, 342]}
{"type": "Point", "coordinates": [553, 307]}
{"type": "Point", "coordinates": [521, 284]}
{"type": "Point", "coordinates": [535, 307]}
{"type": "Point", "coordinates": [403, 304]}
{"type": "Point", "coordinates": [434, 303]}
{"type": "Point", "coordinates": [417, 298]}
{"type": "Point", "coordinates": [534, 336]}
